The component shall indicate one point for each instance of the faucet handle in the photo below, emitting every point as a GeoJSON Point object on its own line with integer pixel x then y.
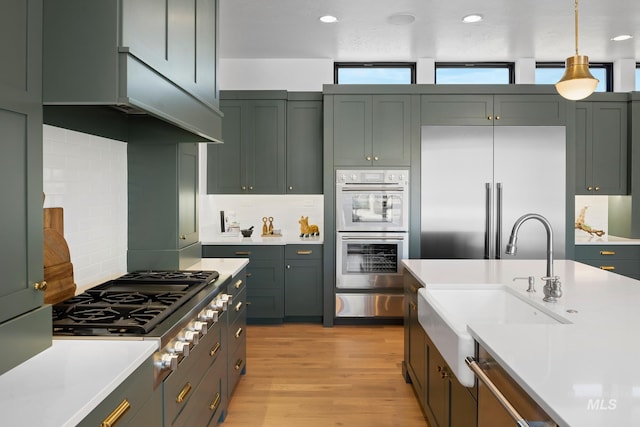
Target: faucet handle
{"type": "Point", "coordinates": [531, 280]}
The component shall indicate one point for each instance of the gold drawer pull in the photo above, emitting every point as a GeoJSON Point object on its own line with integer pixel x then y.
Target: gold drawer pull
{"type": "Point", "coordinates": [238, 284]}
{"type": "Point", "coordinates": [238, 365]}
{"type": "Point", "coordinates": [183, 393]}
{"type": "Point", "coordinates": [248, 274]}
{"type": "Point", "coordinates": [309, 252]}
{"type": "Point", "coordinates": [214, 350]}
{"type": "Point", "coordinates": [413, 306]}
{"type": "Point", "coordinates": [607, 267]}
{"type": "Point", "coordinates": [414, 289]}
{"type": "Point", "coordinates": [243, 253]}
{"type": "Point", "coordinates": [117, 413]}
{"type": "Point", "coordinates": [238, 306]}
{"type": "Point", "coordinates": [215, 403]}
{"type": "Point", "coordinates": [607, 252]}
{"type": "Point", "coordinates": [238, 333]}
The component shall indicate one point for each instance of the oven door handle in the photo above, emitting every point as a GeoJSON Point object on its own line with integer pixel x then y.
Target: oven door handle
{"type": "Point", "coordinates": [399, 239]}
{"type": "Point", "coordinates": [372, 188]}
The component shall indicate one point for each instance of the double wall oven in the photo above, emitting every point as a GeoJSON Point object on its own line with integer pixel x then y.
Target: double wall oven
{"type": "Point", "coordinates": [372, 237]}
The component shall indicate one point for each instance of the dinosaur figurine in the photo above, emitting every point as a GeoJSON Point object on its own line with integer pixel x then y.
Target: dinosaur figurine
{"type": "Point", "coordinates": [307, 230]}
{"type": "Point", "coordinates": [581, 225]}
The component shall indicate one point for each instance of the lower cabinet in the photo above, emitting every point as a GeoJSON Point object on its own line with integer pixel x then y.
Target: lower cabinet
{"type": "Point", "coordinates": [133, 403]}
{"type": "Point", "coordinates": [444, 401]}
{"type": "Point", "coordinates": [303, 283]}
{"type": "Point", "coordinates": [620, 259]}
{"type": "Point", "coordinates": [237, 339]}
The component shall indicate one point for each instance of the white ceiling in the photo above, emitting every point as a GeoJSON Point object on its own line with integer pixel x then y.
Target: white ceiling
{"type": "Point", "coordinates": [511, 29]}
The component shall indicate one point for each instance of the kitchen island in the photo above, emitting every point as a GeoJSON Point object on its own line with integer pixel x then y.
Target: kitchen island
{"type": "Point", "coordinates": [582, 373]}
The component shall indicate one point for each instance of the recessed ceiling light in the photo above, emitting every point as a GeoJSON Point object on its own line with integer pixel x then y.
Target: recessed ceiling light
{"type": "Point", "coordinates": [401, 19]}
{"type": "Point", "coordinates": [475, 17]}
{"type": "Point", "coordinates": [328, 19]}
{"type": "Point", "coordinates": [621, 37]}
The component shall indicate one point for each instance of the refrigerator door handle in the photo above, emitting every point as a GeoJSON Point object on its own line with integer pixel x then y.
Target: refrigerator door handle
{"type": "Point", "coordinates": [498, 220]}
{"type": "Point", "coordinates": [487, 225]}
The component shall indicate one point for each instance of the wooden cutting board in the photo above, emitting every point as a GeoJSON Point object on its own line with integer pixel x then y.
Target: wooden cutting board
{"type": "Point", "coordinates": [58, 270]}
{"type": "Point", "coordinates": [60, 285]}
{"type": "Point", "coordinates": [56, 250]}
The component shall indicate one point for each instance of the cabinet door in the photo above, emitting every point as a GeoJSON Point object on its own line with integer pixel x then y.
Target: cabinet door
{"type": "Point", "coordinates": [391, 134]}
{"type": "Point", "coordinates": [304, 147]}
{"type": "Point", "coordinates": [303, 282]}
{"type": "Point", "coordinates": [529, 110]}
{"type": "Point", "coordinates": [188, 195]}
{"type": "Point", "coordinates": [583, 147]}
{"type": "Point", "coordinates": [352, 130]}
{"type": "Point", "coordinates": [224, 171]}
{"type": "Point", "coordinates": [457, 110]}
{"type": "Point", "coordinates": [463, 406]}
{"type": "Point", "coordinates": [416, 350]}
{"type": "Point", "coordinates": [438, 386]}
{"type": "Point", "coordinates": [264, 161]}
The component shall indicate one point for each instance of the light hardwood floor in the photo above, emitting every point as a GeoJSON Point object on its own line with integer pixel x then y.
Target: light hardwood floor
{"type": "Point", "coordinates": [307, 375]}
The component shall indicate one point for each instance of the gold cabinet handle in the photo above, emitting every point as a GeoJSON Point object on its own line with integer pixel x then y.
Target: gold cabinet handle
{"type": "Point", "coordinates": [597, 188]}
{"type": "Point", "coordinates": [117, 413]}
{"type": "Point", "coordinates": [238, 365]}
{"type": "Point", "coordinates": [489, 117]}
{"type": "Point", "coordinates": [413, 306]}
{"type": "Point", "coordinates": [250, 187]}
{"type": "Point", "coordinates": [607, 267]}
{"type": "Point", "coordinates": [214, 405]}
{"type": "Point", "coordinates": [368, 158]}
{"type": "Point", "coordinates": [238, 306]}
{"type": "Point", "coordinates": [243, 253]}
{"type": "Point", "coordinates": [214, 350]}
{"type": "Point", "coordinates": [309, 252]}
{"type": "Point", "coordinates": [290, 188]}
{"type": "Point", "coordinates": [376, 158]}
{"type": "Point", "coordinates": [497, 117]}
{"type": "Point", "coordinates": [248, 274]}
{"type": "Point", "coordinates": [607, 252]}
{"type": "Point", "coordinates": [183, 393]}
{"type": "Point", "coordinates": [414, 289]}
{"type": "Point", "coordinates": [238, 284]}
{"type": "Point", "coordinates": [243, 188]}
{"type": "Point", "coordinates": [589, 188]}
{"type": "Point", "coordinates": [238, 333]}
{"type": "Point", "coordinates": [40, 286]}
{"type": "Point", "coordinates": [183, 237]}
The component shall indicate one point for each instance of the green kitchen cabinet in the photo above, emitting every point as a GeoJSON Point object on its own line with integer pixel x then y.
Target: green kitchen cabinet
{"type": "Point", "coordinates": [304, 143]}
{"type": "Point", "coordinates": [601, 148]}
{"type": "Point", "coordinates": [252, 158]}
{"type": "Point", "coordinates": [493, 110]}
{"type": "Point", "coordinates": [25, 322]}
{"type": "Point", "coordinates": [303, 284]}
{"type": "Point", "coordinates": [371, 130]}
{"type": "Point", "coordinates": [620, 259]}
{"type": "Point", "coordinates": [155, 56]}
{"type": "Point", "coordinates": [265, 278]}
{"type": "Point", "coordinates": [163, 204]}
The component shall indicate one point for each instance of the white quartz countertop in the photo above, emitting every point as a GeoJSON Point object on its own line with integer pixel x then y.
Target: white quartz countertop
{"type": "Point", "coordinates": [257, 239]}
{"type": "Point", "coordinates": [583, 374]}
{"type": "Point", "coordinates": [605, 240]}
{"type": "Point", "coordinates": [224, 266]}
{"type": "Point", "coordinates": [61, 385]}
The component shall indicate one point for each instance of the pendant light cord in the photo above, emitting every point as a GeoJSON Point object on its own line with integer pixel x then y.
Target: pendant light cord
{"type": "Point", "coordinates": [576, 18]}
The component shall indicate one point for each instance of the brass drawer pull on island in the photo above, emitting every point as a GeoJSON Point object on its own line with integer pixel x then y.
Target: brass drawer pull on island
{"type": "Point", "coordinates": [607, 267]}
{"type": "Point", "coordinates": [309, 252]}
{"type": "Point", "coordinates": [117, 413]}
{"type": "Point", "coordinates": [238, 306]}
{"type": "Point", "coordinates": [238, 333]}
{"type": "Point", "coordinates": [238, 284]}
{"type": "Point", "coordinates": [183, 393]}
{"type": "Point", "coordinates": [214, 350]}
{"type": "Point", "coordinates": [413, 306]}
{"type": "Point", "coordinates": [607, 252]}
{"type": "Point", "coordinates": [215, 403]}
{"type": "Point", "coordinates": [238, 365]}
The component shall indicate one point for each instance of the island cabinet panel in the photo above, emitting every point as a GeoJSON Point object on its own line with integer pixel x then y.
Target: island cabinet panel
{"type": "Point", "coordinates": [620, 259]}
{"type": "Point", "coordinates": [24, 321]}
{"type": "Point", "coordinates": [133, 393]}
{"type": "Point", "coordinates": [304, 145]}
{"type": "Point", "coordinates": [372, 130]}
{"type": "Point", "coordinates": [415, 347]}
{"type": "Point", "coordinates": [493, 110]}
{"type": "Point", "coordinates": [601, 148]}
{"type": "Point", "coordinates": [303, 283]}
{"type": "Point", "coordinates": [252, 158]}
{"type": "Point", "coordinates": [265, 278]}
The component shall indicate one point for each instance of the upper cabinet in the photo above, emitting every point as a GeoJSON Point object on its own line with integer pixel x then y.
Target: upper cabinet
{"type": "Point", "coordinates": [252, 158]}
{"type": "Point", "coordinates": [601, 147]}
{"type": "Point", "coordinates": [153, 56]}
{"type": "Point", "coordinates": [304, 143]}
{"type": "Point", "coordinates": [25, 323]}
{"type": "Point", "coordinates": [493, 110]}
{"type": "Point", "coordinates": [371, 130]}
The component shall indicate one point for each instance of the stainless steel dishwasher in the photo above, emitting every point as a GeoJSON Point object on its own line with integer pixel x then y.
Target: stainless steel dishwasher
{"type": "Point", "coordinates": [501, 401]}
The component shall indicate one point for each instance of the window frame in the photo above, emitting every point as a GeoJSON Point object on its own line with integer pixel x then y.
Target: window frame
{"type": "Point", "coordinates": [607, 66]}
{"type": "Point", "coordinates": [509, 66]}
{"type": "Point", "coordinates": [405, 65]}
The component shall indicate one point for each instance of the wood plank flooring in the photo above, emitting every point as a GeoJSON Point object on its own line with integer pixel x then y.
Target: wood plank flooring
{"type": "Point", "coordinates": [307, 375]}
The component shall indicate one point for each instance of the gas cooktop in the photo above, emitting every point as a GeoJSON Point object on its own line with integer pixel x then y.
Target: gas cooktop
{"type": "Point", "coordinates": [133, 304]}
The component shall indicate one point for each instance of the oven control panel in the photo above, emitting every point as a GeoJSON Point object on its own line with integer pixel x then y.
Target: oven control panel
{"type": "Point", "coordinates": [390, 176]}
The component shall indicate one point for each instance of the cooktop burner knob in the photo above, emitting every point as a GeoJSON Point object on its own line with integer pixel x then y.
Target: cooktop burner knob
{"type": "Point", "coordinates": [169, 361]}
{"type": "Point", "coordinates": [192, 336]}
{"type": "Point", "coordinates": [208, 314]}
{"type": "Point", "coordinates": [200, 326]}
{"type": "Point", "coordinates": [182, 347]}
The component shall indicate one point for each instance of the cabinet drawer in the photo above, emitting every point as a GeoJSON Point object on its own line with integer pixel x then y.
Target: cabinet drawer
{"type": "Point", "coordinates": [238, 283]}
{"type": "Point", "coordinates": [238, 308]}
{"type": "Point", "coordinates": [303, 252]}
{"type": "Point", "coordinates": [237, 366]}
{"type": "Point", "coordinates": [242, 251]}
{"type": "Point", "coordinates": [629, 268]}
{"type": "Point", "coordinates": [237, 335]}
{"type": "Point", "coordinates": [593, 252]}
{"type": "Point", "coordinates": [132, 393]}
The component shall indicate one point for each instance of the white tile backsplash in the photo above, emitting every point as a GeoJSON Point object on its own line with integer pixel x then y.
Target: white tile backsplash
{"type": "Point", "coordinates": [87, 176]}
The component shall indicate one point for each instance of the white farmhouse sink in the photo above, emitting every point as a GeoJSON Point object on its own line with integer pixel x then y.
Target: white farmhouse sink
{"type": "Point", "coordinates": [444, 311]}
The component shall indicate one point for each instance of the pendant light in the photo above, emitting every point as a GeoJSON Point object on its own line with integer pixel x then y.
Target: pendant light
{"type": "Point", "coordinates": [577, 82]}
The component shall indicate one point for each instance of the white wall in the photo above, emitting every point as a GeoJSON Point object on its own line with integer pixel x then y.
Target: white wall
{"type": "Point", "coordinates": [87, 176]}
{"type": "Point", "coordinates": [296, 75]}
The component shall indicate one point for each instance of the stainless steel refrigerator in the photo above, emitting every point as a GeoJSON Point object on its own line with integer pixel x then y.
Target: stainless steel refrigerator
{"type": "Point", "coordinates": [477, 180]}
